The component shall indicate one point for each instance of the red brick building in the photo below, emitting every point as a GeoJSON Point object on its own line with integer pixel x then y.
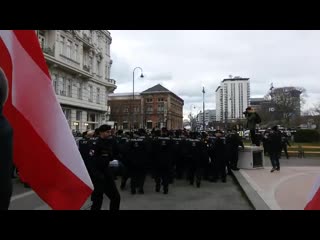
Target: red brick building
{"type": "Point", "coordinates": [155, 107]}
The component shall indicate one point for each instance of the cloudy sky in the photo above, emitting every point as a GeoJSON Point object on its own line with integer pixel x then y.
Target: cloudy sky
{"type": "Point", "coordinates": [184, 61]}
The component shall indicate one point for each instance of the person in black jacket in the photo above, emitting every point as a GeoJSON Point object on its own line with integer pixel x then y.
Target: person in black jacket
{"type": "Point", "coordinates": [105, 151]}
{"type": "Point", "coordinates": [217, 154]}
{"type": "Point", "coordinates": [275, 148]}
{"type": "Point", "coordinates": [6, 149]}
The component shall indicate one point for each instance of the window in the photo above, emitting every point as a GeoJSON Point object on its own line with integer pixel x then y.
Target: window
{"type": "Point", "coordinates": [76, 52]}
{"type": "Point", "coordinates": [64, 87]}
{"type": "Point", "coordinates": [98, 95]}
{"type": "Point", "coordinates": [106, 76]}
{"type": "Point", "coordinates": [79, 91]}
{"type": "Point", "coordinates": [67, 113]}
{"type": "Point", "coordinates": [99, 72]}
{"type": "Point", "coordinates": [91, 117]}
{"type": "Point", "coordinates": [41, 40]}
{"type": "Point", "coordinates": [55, 83]}
{"type": "Point", "coordinates": [160, 99]}
{"type": "Point", "coordinates": [106, 92]}
{"type": "Point", "coordinates": [160, 107]}
{"type": "Point", "coordinates": [69, 43]}
{"type": "Point", "coordinates": [136, 109]}
{"type": "Point", "coordinates": [62, 44]}
{"type": "Point", "coordinates": [69, 88]}
{"type": "Point", "coordinates": [90, 93]}
{"type": "Point", "coordinates": [125, 125]}
{"type": "Point", "coordinates": [125, 109]}
{"type": "Point", "coordinates": [149, 100]}
{"type": "Point", "coordinates": [78, 115]}
{"type": "Point", "coordinates": [149, 109]}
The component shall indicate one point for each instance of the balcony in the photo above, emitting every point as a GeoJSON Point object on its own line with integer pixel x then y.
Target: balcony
{"type": "Point", "coordinates": [86, 68]}
{"type": "Point", "coordinates": [111, 81]}
{"type": "Point", "coordinates": [48, 50]}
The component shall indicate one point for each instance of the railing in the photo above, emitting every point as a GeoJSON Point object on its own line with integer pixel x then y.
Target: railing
{"type": "Point", "coordinates": [49, 50]}
{"type": "Point", "coordinates": [86, 68]}
{"type": "Point", "coordinates": [111, 81]}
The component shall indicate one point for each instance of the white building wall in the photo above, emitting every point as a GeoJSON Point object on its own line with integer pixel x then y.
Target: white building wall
{"type": "Point", "coordinates": [68, 53]}
{"type": "Point", "coordinates": [232, 99]}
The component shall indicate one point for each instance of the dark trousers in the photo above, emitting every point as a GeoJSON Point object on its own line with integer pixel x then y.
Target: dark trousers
{"type": "Point", "coordinates": [162, 177]}
{"type": "Point", "coordinates": [124, 176]}
{"type": "Point", "coordinates": [234, 158]}
{"type": "Point", "coordinates": [274, 157]}
{"type": "Point", "coordinates": [108, 187]}
{"type": "Point", "coordinates": [285, 149]}
{"type": "Point", "coordinates": [253, 137]}
{"type": "Point", "coordinates": [5, 195]}
{"type": "Point", "coordinates": [195, 172]}
{"type": "Point", "coordinates": [219, 169]}
{"type": "Point", "coordinates": [138, 177]}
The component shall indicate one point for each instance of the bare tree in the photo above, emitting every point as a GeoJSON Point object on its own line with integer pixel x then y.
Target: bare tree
{"type": "Point", "coordinates": [315, 112]}
{"type": "Point", "coordinates": [287, 102]}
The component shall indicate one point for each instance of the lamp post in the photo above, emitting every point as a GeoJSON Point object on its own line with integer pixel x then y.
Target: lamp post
{"type": "Point", "coordinates": [203, 122]}
{"type": "Point", "coordinates": [131, 125]}
{"type": "Point", "coordinates": [191, 117]}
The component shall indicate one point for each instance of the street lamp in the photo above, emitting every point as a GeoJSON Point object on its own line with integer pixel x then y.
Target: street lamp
{"type": "Point", "coordinates": [131, 126]}
{"type": "Point", "coordinates": [203, 126]}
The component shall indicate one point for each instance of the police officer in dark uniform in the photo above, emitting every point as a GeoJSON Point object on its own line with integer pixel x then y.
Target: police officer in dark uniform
{"type": "Point", "coordinates": [198, 159]}
{"type": "Point", "coordinates": [217, 154]}
{"type": "Point", "coordinates": [137, 164]}
{"type": "Point", "coordinates": [6, 148]}
{"type": "Point", "coordinates": [85, 145]}
{"type": "Point", "coordinates": [233, 141]}
{"type": "Point", "coordinates": [162, 162]}
{"type": "Point", "coordinates": [105, 151]}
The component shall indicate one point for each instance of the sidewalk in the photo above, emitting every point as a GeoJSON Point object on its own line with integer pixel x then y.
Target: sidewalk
{"type": "Point", "coordinates": [284, 190]}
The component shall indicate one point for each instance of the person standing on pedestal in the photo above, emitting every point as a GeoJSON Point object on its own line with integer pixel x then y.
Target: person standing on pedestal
{"type": "Point", "coordinates": [252, 119]}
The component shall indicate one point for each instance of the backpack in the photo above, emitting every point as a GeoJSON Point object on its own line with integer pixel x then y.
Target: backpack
{"type": "Point", "coordinates": [258, 118]}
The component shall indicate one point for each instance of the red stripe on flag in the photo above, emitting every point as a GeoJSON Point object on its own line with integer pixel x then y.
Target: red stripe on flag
{"type": "Point", "coordinates": [314, 203]}
{"type": "Point", "coordinates": [29, 41]}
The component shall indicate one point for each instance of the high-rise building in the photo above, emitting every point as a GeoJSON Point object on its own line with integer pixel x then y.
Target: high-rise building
{"type": "Point", "coordinates": [232, 98]}
{"type": "Point", "coordinates": [79, 64]}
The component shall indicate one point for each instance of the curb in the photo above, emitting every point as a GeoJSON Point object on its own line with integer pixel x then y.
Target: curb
{"type": "Point", "coordinates": [254, 198]}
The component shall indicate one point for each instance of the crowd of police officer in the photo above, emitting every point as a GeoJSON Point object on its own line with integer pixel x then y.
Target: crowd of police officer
{"type": "Point", "coordinates": [165, 155]}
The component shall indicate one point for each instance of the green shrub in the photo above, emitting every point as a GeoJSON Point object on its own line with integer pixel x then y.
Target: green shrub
{"type": "Point", "coordinates": [306, 135]}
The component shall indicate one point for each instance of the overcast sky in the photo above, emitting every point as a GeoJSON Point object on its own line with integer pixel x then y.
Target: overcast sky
{"type": "Point", "coordinates": [184, 61]}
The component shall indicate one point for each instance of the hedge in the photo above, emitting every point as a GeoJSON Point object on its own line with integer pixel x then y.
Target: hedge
{"type": "Point", "coordinates": [306, 135]}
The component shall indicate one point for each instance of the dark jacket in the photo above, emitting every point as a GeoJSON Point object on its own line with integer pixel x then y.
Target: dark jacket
{"type": "Point", "coordinates": [275, 142]}
{"type": "Point", "coordinates": [6, 162]}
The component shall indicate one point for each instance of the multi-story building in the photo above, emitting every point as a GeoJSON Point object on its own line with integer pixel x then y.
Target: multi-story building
{"type": "Point", "coordinates": [155, 107]}
{"type": "Point", "coordinates": [287, 97]}
{"type": "Point", "coordinates": [79, 64]}
{"type": "Point", "coordinates": [232, 98]}
{"type": "Point", "coordinates": [210, 116]}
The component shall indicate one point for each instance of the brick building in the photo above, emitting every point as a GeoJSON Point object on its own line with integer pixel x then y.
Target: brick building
{"type": "Point", "coordinates": [155, 107]}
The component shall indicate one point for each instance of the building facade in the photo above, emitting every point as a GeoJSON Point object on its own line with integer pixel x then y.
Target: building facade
{"type": "Point", "coordinates": [79, 64]}
{"type": "Point", "coordinates": [232, 98]}
{"type": "Point", "coordinates": [155, 107]}
{"type": "Point", "coordinates": [210, 116]}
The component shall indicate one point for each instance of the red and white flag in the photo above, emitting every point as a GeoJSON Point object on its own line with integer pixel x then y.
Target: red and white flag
{"type": "Point", "coordinates": [314, 197]}
{"type": "Point", "coordinates": [45, 151]}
